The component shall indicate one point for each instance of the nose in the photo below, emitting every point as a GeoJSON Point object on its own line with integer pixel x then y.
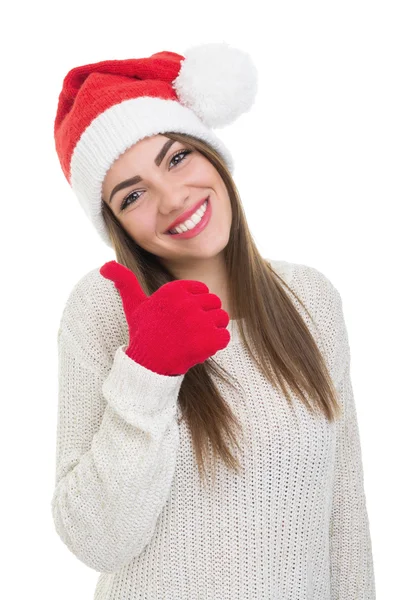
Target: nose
{"type": "Point", "coordinates": [172, 202]}
{"type": "Point", "coordinates": [171, 205]}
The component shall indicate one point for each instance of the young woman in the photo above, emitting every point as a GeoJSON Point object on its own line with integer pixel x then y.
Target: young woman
{"type": "Point", "coordinates": [207, 439]}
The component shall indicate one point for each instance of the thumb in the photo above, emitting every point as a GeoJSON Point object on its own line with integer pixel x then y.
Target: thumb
{"type": "Point", "coordinates": [126, 283]}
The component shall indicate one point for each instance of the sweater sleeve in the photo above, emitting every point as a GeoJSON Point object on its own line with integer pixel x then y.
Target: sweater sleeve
{"type": "Point", "coordinates": [117, 442]}
{"type": "Point", "coordinates": [352, 570]}
{"type": "Point", "coordinates": [351, 559]}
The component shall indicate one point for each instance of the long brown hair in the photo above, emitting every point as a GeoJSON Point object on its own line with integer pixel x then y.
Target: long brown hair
{"type": "Point", "coordinates": [285, 350]}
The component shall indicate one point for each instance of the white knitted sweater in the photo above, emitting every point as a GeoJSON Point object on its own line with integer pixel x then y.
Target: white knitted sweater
{"type": "Point", "coordinates": [128, 500]}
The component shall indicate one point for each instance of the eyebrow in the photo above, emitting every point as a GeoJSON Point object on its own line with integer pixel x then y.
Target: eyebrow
{"type": "Point", "coordinates": [158, 160]}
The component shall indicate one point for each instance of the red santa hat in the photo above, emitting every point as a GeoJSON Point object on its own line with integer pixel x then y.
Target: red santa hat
{"type": "Point", "coordinates": [106, 107]}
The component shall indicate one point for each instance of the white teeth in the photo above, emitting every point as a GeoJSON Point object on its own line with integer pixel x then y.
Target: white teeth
{"type": "Point", "coordinates": [193, 221]}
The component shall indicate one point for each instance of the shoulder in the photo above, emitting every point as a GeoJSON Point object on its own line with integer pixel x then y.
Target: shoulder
{"type": "Point", "coordinates": [91, 294]}
{"type": "Point", "coordinates": [93, 320]}
{"type": "Point", "coordinates": [314, 287]}
{"type": "Point", "coordinates": [323, 301]}
{"type": "Point", "coordinates": [312, 283]}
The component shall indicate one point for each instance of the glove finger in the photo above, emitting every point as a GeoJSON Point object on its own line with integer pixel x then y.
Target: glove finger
{"type": "Point", "coordinates": [224, 338]}
{"type": "Point", "coordinates": [221, 318]}
{"type": "Point", "coordinates": [210, 301]}
{"type": "Point", "coordinates": [193, 286]}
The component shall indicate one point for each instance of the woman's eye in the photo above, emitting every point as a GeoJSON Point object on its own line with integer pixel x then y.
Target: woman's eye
{"type": "Point", "coordinates": [182, 153]}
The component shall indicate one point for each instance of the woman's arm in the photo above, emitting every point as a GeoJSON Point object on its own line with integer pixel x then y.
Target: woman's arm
{"type": "Point", "coordinates": [117, 439]}
{"type": "Point", "coordinates": [352, 570]}
{"type": "Point", "coordinates": [351, 560]}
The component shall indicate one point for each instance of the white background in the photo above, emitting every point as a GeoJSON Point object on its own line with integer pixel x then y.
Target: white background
{"type": "Point", "coordinates": [317, 168]}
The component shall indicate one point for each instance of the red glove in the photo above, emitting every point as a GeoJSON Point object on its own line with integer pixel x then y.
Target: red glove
{"type": "Point", "coordinates": [177, 327]}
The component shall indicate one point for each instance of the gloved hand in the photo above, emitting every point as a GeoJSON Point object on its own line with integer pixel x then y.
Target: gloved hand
{"type": "Point", "coordinates": [177, 327]}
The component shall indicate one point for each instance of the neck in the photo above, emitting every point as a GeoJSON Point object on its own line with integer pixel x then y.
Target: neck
{"type": "Point", "coordinates": [210, 271]}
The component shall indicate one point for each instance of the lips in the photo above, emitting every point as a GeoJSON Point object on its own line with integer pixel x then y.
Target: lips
{"type": "Point", "coordinates": [185, 215]}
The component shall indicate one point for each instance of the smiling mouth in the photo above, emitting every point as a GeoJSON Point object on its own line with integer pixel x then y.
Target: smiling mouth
{"type": "Point", "coordinates": [198, 228]}
{"type": "Point", "coordinates": [168, 231]}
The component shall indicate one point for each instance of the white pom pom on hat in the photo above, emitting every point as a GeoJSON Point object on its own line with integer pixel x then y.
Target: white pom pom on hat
{"type": "Point", "coordinates": [104, 108]}
{"type": "Point", "coordinates": [218, 82]}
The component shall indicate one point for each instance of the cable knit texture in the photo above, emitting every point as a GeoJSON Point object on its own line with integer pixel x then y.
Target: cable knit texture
{"type": "Point", "coordinates": [293, 525]}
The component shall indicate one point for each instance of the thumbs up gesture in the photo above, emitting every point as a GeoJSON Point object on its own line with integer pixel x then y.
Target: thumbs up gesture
{"type": "Point", "coordinates": [180, 325]}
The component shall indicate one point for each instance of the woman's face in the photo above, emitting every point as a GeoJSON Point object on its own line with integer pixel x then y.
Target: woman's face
{"type": "Point", "coordinates": [172, 182]}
